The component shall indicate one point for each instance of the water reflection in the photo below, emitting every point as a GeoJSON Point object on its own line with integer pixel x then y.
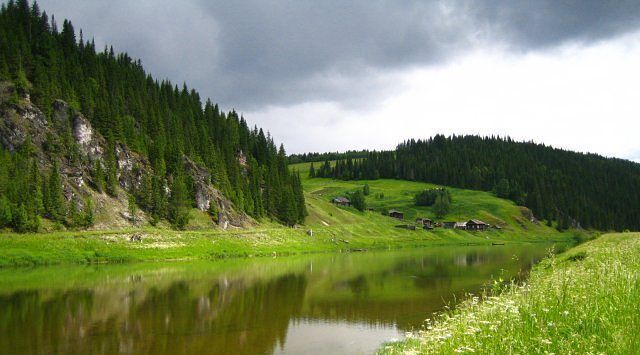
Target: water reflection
{"type": "Point", "coordinates": [325, 304]}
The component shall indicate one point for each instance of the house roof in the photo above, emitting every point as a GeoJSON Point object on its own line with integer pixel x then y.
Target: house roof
{"type": "Point", "coordinates": [341, 199]}
{"type": "Point", "coordinates": [476, 221]}
{"type": "Point", "coordinates": [394, 211]}
{"type": "Point", "coordinates": [423, 219]}
{"type": "Point", "coordinates": [461, 224]}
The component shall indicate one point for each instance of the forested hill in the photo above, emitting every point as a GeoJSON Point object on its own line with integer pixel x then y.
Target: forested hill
{"type": "Point", "coordinates": [558, 185]}
{"type": "Point", "coordinates": [74, 117]}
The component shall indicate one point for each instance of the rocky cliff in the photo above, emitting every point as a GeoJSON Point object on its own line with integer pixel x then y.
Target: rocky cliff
{"type": "Point", "coordinates": [23, 123]}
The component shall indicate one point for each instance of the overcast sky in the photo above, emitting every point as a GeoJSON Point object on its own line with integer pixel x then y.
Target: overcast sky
{"type": "Point", "coordinates": [336, 75]}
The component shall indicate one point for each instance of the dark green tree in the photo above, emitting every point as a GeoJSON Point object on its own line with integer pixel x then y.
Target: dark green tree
{"type": "Point", "coordinates": [366, 190]}
{"type": "Point", "coordinates": [358, 200]}
{"type": "Point", "coordinates": [178, 207]}
{"type": "Point", "coordinates": [441, 206]}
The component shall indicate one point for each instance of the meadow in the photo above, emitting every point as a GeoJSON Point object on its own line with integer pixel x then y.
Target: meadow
{"type": "Point", "coordinates": [584, 301]}
{"type": "Point", "coordinates": [334, 229]}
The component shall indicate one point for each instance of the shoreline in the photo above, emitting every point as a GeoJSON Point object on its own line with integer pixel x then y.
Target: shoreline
{"type": "Point", "coordinates": [159, 245]}
{"type": "Point", "coordinates": [583, 300]}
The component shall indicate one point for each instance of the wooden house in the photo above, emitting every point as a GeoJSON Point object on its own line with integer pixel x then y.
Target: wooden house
{"type": "Point", "coordinates": [396, 214]}
{"type": "Point", "coordinates": [460, 225]}
{"type": "Point", "coordinates": [425, 223]}
{"type": "Point", "coordinates": [341, 201]}
{"type": "Point", "coordinates": [476, 225]}
{"type": "Point", "coordinates": [449, 225]}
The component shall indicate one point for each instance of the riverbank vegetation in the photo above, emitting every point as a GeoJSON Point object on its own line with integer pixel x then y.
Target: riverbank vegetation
{"type": "Point", "coordinates": [332, 229]}
{"type": "Point", "coordinates": [584, 301]}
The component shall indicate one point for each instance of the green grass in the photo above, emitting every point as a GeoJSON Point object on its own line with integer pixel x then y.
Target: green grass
{"type": "Point", "coordinates": [334, 229]}
{"type": "Point", "coordinates": [399, 194]}
{"type": "Point", "coordinates": [584, 301]}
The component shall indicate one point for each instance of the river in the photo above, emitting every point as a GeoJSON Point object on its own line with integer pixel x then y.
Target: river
{"type": "Point", "coordinates": [313, 304]}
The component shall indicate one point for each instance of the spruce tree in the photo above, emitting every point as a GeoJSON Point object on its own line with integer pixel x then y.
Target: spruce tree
{"type": "Point", "coordinates": [56, 204]}
{"type": "Point", "coordinates": [441, 206]}
{"type": "Point", "coordinates": [312, 171]}
{"type": "Point", "coordinates": [98, 176]}
{"type": "Point", "coordinates": [178, 208]}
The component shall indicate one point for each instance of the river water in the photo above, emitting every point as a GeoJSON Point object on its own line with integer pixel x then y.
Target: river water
{"type": "Point", "coordinates": [315, 304]}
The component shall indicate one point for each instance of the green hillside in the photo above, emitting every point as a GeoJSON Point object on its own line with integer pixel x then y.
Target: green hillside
{"type": "Point", "coordinates": [334, 229]}
{"type": "Point", "coordinates": [515, 221]}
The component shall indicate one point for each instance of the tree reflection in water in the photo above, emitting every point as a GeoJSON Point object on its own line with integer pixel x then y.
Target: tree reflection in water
{"type": "Point", "coordinates": [241, 307]}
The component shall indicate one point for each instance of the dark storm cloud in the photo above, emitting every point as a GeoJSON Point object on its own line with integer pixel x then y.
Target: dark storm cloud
{"type": "Point", "coordinates": [534, 24]}
{"type": "Point", "coordinates": [251, 54]}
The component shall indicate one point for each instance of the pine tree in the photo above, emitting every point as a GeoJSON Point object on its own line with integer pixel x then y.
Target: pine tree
{"type": "Point", "coordinates": [6, 216]}
{"type": "Point", "coordinates": [132, 208]}
{"type": "Point", "coordinates": [111, 172]}
{"type": "Point", "coordinates": [358, 201]}
{"type": "Point", "coordinates": [312, 171]}
{"type": "Point", "coordinates": [97, 176]}
{"type": "Point", "coordinates": [56, 204]}
{"type": "Point", "coordinates": [88, 213]}
{"type": "Point", "coordinates": [441, 206]}
{"type": "Point", "coordinates": [178, 210]}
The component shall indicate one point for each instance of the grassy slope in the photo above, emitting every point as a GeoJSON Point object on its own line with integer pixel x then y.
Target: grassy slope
{"type": "Point", "coordinates": [399, 194]}
{"type": "Point", "coordinates": [582, 301]}
{"type": "Point", "coordinates": [334, 229]}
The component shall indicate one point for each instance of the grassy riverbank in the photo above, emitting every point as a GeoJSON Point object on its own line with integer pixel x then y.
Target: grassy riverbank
{"type": "Point", "coordinates": [334, 229]}
{"type": "Point", "coordinates": [583, 301]}
{"type": "Point", "coordinates": [158, 245]}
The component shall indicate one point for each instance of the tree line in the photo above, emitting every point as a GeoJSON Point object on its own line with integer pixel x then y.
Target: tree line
{"type": "Point", "coordinates": [567, 187]}
{"type": "Point", "coordinates": [320, 157]}
{"type": "Point", "coordinates": [157, 119]}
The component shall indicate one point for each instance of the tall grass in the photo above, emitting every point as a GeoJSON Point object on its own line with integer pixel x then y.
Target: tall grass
{"type": "Point", "coordinates": [585, 301]}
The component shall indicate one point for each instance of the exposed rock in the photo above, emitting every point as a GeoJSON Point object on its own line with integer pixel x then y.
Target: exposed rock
{"type": "Point", "coordinates": [242, 159]}
{"type": "Point", "coordinates": [61, 111]}
{"type": "Point", "coordinates": [131, 167]}
{"type": "Point", "coordinates": [90, 143]}
{"type": "Point", "coordinates": [528, 214]}
{"type": "Point", "coordinates": [206, 195]}
{"type": "Point", "coordinates": [20, 120]}
{"type": "Point", "coordinates": [202, 181]}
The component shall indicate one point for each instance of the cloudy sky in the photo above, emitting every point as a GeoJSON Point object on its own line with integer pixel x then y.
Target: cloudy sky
{"type": "Point", "coordinates": [336, 75]}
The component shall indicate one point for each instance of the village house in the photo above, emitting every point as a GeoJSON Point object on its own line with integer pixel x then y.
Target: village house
{"type": "Point", "coordinates": [341, 201]}
{"type": "Point", "coordinates": [460, 225]}
{"type": "Point", "coordinates": [449, 225]}
{"type": "Point", "coordinates": [476, 225]}
{"type": "Point", "coordinates": [396, 214]}
{"type": "Point", "coordinates": [426, 223]}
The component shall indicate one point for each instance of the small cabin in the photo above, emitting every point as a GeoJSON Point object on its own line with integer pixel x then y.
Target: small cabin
{"type": "Point", "coordinates": [476, 225]}
{"type": "Point", "coordinates": [426, 223]}
{"type": "Point", "coordinates": [396, 214]}
{"type": "Point", "coordinates": [460, 225]}
{"type": "Point", "coordinates": [449, 225]}
{"type": "Point", "coordinates": [341, 201]}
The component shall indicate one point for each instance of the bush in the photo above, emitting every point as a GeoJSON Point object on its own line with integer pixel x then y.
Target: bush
{"type": "Point", "coordinates": [357, 200]}
{"type": "Point", "coordinates": [428, 197]}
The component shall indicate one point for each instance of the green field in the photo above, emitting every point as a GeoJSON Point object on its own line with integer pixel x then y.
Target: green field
{"type": "Point", "coordinates": [334, 229]}
{"type": "Point", "coordinates": [584, 301]}
{"type": "Point", "coordinates": [514, 220]}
